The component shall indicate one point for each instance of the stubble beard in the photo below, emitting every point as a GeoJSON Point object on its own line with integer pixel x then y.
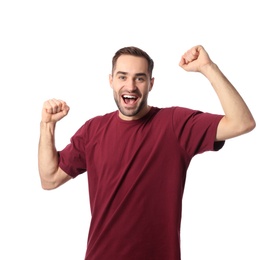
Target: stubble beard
{"type": "Point", "coordinates": [132, 111]}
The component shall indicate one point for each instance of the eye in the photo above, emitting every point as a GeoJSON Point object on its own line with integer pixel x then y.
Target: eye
{"type": "Point", "coordinates": [140, 79]}
{"type": "Point", "coordinates": [122, 77]}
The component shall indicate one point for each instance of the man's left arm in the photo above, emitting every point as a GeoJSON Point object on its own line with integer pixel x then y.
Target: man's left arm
{"type": "Point", "coordinates": [237, 119]}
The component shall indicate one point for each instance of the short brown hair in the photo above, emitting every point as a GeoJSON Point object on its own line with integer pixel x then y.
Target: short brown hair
{"type": "Point", "coordinates": [134, 51]}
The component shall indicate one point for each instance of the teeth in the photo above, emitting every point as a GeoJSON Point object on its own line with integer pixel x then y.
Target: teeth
{"type": "Point", "coordinates": [127, 96]}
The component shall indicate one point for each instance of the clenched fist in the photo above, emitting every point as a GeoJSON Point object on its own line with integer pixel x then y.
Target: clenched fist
{"type": "Point", "coordinates": [195, 59]}
{"type": "Point", "coordinates": [54, 110]}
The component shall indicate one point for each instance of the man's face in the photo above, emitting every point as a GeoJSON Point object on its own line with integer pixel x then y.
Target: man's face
{"type": "Point", "coordinates": [131, 85]}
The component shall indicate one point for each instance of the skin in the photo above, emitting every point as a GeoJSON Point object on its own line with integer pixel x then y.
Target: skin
{"type": "Point", "coordinates": [130, 78]}
{"type": "Point", "coordinates": [238, 119]}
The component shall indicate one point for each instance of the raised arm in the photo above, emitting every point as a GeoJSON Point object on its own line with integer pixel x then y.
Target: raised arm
{"type": "Point", "coordinates": [50, 174]}
{"type": "Point", "coordinates": [238, 119]}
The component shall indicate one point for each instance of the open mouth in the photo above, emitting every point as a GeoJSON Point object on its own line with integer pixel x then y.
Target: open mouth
{"type": "Point", "coordinates": [129, 99]}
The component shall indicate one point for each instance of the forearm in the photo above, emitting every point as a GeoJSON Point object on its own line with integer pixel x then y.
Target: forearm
{"type": "Point", "coordinates": [237, 113]}
{"type": "Point", "coordinates": [47, 153]}
{"type": "Point", "coordinates": [238, 119]}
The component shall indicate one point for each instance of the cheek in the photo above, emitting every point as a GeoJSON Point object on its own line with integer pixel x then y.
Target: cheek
{"type": "Point", "coordinates": [147, 89]}
{"type": "Point", "coordinates": [116, 85]}
{"type": "Point", "coordinates": [116, 94]}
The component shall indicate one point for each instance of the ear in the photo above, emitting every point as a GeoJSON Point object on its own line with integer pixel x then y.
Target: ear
{"type": "Point", "coordinates": [151, 84]}
{"type": "Point", "coordinates": [110, 80]}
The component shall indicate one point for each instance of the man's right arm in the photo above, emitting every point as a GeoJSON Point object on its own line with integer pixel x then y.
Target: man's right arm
{"type": "Point", "coordinates": [51, 175]}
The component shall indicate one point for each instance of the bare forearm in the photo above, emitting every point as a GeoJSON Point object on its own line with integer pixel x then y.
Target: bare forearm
{"type": "Point", "coordinates": [52, 176]}
{"type": "Point", "coordinates": [47, 153]}
{"type": "Point", "coordinates": [237, 113]}
{"type": "Point", "coordinates": [231, 101]}
{"type": "Point", "coordinates": [238, 119]}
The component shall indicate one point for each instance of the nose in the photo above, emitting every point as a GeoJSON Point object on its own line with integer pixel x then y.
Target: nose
{"type": "Point", "coordinates": [130, 85]}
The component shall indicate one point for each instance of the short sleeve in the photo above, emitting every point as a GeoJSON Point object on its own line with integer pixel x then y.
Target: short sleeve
{"type": "Point", "coordinates": [72, 158]}
{"type": "Point", "coordinates": [196, 130]}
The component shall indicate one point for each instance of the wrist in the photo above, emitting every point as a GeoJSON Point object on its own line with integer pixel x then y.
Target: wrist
{"type": "Point", "coordinates": [47, 126]}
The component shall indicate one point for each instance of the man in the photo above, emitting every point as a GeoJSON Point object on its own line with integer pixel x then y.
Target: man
{"type": "Point", "coordinates": [136, 158]}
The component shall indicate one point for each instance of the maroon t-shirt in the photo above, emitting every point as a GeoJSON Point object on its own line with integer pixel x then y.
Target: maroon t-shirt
{"type": "Point", "coordinates": [136, 175]}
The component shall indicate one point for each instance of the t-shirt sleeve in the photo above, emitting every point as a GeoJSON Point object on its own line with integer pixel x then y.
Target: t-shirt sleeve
{"type": "Point", "coordinates": [72, 157]}
{"type": "Point", "coordinates": [196, 130]}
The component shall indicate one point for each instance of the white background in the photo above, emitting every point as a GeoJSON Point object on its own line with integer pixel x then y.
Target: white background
{"type": "Point", "coordinates": [63, 49]}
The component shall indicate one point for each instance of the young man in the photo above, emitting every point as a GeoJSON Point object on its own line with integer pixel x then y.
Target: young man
{"type": "Point", "coordinates": [136, 158]}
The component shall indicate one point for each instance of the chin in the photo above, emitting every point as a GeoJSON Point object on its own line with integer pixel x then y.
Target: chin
{"type": "Point", "coordinates": [130, 113]}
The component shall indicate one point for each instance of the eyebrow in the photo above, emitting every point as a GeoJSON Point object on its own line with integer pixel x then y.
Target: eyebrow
{"type": "Point", "coordinates": [136, 74]}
